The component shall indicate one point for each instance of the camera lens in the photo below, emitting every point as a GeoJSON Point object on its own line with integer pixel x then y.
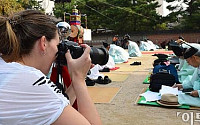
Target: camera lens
{"type": "Point", "coordinates": [99, 56]}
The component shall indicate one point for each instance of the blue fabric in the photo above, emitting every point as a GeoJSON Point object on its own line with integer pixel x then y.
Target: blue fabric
{"type": "Point", "coordinates": [118, 53]}
{"type": "Point", "coordinates": [170, 68]}
{"type": "Point", "coordinates": [151, 44]}
{"type": "Point", "coordinates": [185, 71]}
{"type": "Point", "coordinates": [193, 82]}
{"type": "Point", "coordinates": [133, 49]}
{"type": "Point", "coordinates": [144, 46]}
{"type": "Point", "coordinates": [188, 100]}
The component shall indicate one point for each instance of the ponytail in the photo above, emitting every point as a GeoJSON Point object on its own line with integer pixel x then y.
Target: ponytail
{"type": "Point", "coordinates": [9, 45]}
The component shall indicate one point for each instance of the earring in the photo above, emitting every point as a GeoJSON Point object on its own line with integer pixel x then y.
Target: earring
{"type": "Point", "coordinates": [43, 53]}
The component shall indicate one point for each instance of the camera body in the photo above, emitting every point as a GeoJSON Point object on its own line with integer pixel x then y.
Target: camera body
{"type": "Point", "coordinates": [98, 55]}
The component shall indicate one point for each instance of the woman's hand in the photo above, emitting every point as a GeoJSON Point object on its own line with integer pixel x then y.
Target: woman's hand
{"type": "Point", "coordinates": [78, 68]}
{"type": "Point", "coordinates": [194, 93]}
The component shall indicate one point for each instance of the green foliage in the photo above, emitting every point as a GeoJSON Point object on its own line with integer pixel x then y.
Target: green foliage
{"type": "Point", "coordinates": [122, 16]}
{"type": "Point", "coordinates": [162, 26]}
{"type": "Point", "coordinates": [31, 4]}
{"type": "Point", "coordinates": [60, 8]}
{"type": "Point", "coordinates": [188, 19]}
{"type": "Point", "coordinates": [8, 7]}
{"type": "Point", "coordinates": [118, 15]}
{"type": "Point", "coordinates": [192, 21]}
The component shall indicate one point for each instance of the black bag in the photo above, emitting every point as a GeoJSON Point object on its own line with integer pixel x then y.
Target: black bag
{"type": "Point", "coordinates": [159, 79]}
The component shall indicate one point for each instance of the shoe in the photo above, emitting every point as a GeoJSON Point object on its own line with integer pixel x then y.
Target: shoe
{"type": "Point", "coordinates": [107, 80]}
{"type": "Point", "coordinates": [89, 82]}
{"type": "Point", "coordinates": [100, 80]}
{"type": "Point", "coordinates": [136, 63]}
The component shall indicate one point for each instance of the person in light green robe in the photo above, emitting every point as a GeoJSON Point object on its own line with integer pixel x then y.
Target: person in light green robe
{"type": "Point", "coordinates": [192, 56]}
{"type": "Point", "coordinates": [118, 53]}
{"type": "Point", "coordinates": [185, 71]}
{"type": "Point", "coordinates": [133, 49]}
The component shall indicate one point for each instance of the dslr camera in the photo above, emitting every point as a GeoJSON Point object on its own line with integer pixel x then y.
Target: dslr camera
{"type": "Point", "coordinates": [98, 55]}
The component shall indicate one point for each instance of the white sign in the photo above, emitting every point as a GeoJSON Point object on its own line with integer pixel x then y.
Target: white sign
{"type": "Point", "coordinates": [87, 35]}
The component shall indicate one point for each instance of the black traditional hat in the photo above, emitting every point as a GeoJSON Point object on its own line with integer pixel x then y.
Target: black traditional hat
{"type": "Point", "coordinates": [105, 44]}
{"type": "Point", "coordinates": [176, 48]}
{"type": "Point", "coordinates": [190, 52]}
{"type": "Point", "coordinates": [126, 36]}
{"type": "Point", "coordinates": [161, 56]}
{"type": "Point", "coordinates": [180, 37]}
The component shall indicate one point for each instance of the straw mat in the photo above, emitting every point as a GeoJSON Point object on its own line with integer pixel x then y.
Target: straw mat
{"type": "Point", "coordinates": [116, 76]}
{"type": "Point", "coordinates": [103, 94]}
{"type": "Point", "coordinates": [125, 67]}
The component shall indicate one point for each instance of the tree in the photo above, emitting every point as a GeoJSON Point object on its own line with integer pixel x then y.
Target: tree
{"type": "Point", "coordinates": [31, 4]}
{"type": "Point", "coordinates": [62, 8]}
{"type": "Point", "coordinates": [135, 15]}
{"type": "Point", "coordinates": [118, 15]}
{"type": "Point", "coordinates": [188, 17]}
{"type": "Point", "coordinates": [8, 7]}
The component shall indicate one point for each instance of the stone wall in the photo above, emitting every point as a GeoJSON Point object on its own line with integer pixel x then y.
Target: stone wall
{"type": "Point", "coordinates": [157, 38]}
{"type": "Point", "coordinates": [189, 37]}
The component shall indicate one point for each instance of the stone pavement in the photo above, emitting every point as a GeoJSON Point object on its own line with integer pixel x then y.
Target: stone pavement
{"type": "Point", "coordinates": [123, 110]}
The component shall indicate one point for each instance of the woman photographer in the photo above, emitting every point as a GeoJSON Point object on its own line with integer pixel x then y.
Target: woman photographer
{"type": "Point", "coordinates": [28, 47]}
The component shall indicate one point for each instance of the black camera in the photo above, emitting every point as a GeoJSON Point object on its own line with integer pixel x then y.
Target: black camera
{"type": "Point", "coordinates": [98, 55]}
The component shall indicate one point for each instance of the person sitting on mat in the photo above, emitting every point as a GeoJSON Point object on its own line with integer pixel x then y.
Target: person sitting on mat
{"type": "Point", "coordinates": [151, 44]}
{"type": "Point", "coordinates": [192, 56]}
{"type": "Point", "coordinates": [185, 71]}
{"type": "Point", "coordinates": [133, 49]}
{"type": "Point", "coordinates": [118, 54]}
{"type": "Point", "coordinates": [143, 46]}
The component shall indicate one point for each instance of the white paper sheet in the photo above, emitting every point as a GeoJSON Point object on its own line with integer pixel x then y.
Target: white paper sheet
{"type": "Point", "coordinates": [168, 90]}
{"type": "Point", "coordinates": [151, 96]}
